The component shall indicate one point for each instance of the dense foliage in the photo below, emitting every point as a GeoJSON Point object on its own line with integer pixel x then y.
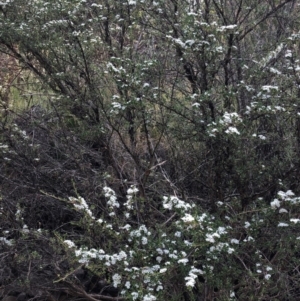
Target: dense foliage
{"type": "Point", "coordinates": [149, 150]}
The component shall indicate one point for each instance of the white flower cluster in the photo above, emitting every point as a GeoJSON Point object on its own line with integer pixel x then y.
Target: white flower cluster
{"type": "Point", "coordinates": [131, 192]}
{"type": "Point", "coordinates": [6, 241]}
{"type": "Point", "coordinates": [117, 279]}
{"type": "Point", "coordinates": [173, 202]}
{"type": "Point", "coordinates": [142, 232]}
{"type": "Point", "coordinates": [69, 243]}
{"type": "Point", "coordinates": [191, 278]}
{"type": "Point", "coordinates": [210, 237]}
{"type": "Point", "coordinates": [227, 122]}
{"type": "Point", "coordinates": [188, 218]}
{"type": "Point", "coordinates": [86, 255]}
{"type": "Point", "coordinates": [112, 198]}
{"type": "Point", "coordinates": [80, 204]}
{"type": "Point", "coordinates": [284, 198]}
{"type": "Point", "coordinates": [144, 281]}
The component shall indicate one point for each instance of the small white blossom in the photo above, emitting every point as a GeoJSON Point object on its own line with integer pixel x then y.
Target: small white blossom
{"type": "Point", "coordinates": [210, 238]}
{"type": "Point", "coordinates": [177, 234]}
{"type": "Point", "coordinates": [116, 280]}
{"type": "Point", "coordinates": [232, 130]}
{"type": "Point", "coordinates": [282, 225]}
{"type": "Point", "coordinates": [127, 284]}
{"type": "Point", "coordinates": [158, 259]}
{"type": "Point", "coordinates": [275, 204]}
{"type": "Point", "coordinates": [247, 225]}
{"type": "Point", "coordinates": [230, 250]}
{"type": "Point", "coordinates": [132, 190]}
{"type": "Point", "coordinates": [282, 210]}
{"type": "Point", "coordinates": [183, 260]}
{"type": "Point", "coordinates": [69, 243]}
{"type": "Point", "coordinates": [111, 196]}
{"type": "Point", "coordinates": [149, 297]}
{"type": "Point", "coordinates": [6, 241]}
{"type": "Point", "coordinates": [173, 201]}
{"type": "Point", "coordinates": [295, 220]}
{"type": "Point", "coordinates": [190, 281]}
{"type": "Point", "coordinates": [188, 218]}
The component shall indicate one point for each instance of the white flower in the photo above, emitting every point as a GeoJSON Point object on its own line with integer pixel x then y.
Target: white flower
{"type": "Point", "coordinates": [112, 199]}
{"type": "Point", "coordinates": [267, 276]}
{"type": "Point", "coordinates": [249, 238]}
{"type": "Point", "coordinates": [234, 241]}
{"type": "Point", "coordinates": [295, 220]}
{"type": "Point", "coordinates": [190, 281]}
{"type": "Point", "coordinates": [282, 210]}
{"type": "Point", "coordinates": [275, 204]}
{"type": "Point", "coordinates": [134, 295]}
{"type": "Point", "coordinates": [144, 240]}
{"type": "Point", "coordinates": [122, 255]}
{"type": "Point", "coordinates": [187, 218]}
{"type": "Point", "coordinates": [177, 234]}
{"type": "Point", "coordinates": [268, 88]}
{"type": "Point", "coordinates": [80, 204]}
{"type": "Point", "coordinates": [232, 26]}
{"type": "Point", "coordinates": [25, 229]}
{"type": "Point", "coordinates": [247, 225]}
{"type": "Point", "coordinates": [222, 230]}
{"type": "Point", "coordinates": [149, 297]}
{"type": "Point", "coordinates": [161, 271]}
{"type": "Point", "coordinates": [127, 284]}
{"type": "Point", "coordinates": [158, 259]}
{"type": "Point", "coordinates": [282, 225]}
{"type": "Point", "coordinates": [173, 201]}
{"type": "Point", "coordinates": [116, 280]}
{"type": "Point", "coordinates": [290, 193]}
{"type": "Point", "coordinates": [126, 227]}
{"type": "Point", "coordinates": [209, 238]}
{"type": "Point", "coordinates": [69, 243]}
{"type": "Point", "coordinates": [183, 260]}
{"type": "Point", "coordinates": [285, 195]}
{"type": "Point", "coordinates": [6, 241]}
{"type": "Point", "coordinates": [132, 190]}
{"type": "Point", "coordinates": [232, 130]}
{"type": "Point", "coordinates": [230, 250]}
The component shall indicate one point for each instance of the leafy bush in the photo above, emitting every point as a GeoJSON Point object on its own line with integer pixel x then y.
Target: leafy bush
{"type": "Point", "coordinates": [162, 161]}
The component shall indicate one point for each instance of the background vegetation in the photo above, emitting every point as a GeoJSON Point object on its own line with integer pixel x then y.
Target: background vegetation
{"type": "Point", "coordinates": [149, 150]}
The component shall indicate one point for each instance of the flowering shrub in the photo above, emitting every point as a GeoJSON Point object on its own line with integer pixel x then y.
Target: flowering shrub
{"type": "Point", "coordinates": [150, 168]}
{"type": "Point", "coordinates": [220, 253]}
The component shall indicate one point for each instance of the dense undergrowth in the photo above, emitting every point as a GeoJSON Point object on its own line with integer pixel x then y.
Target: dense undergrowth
{"type": "Point", "coordinates": [149, 150]}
